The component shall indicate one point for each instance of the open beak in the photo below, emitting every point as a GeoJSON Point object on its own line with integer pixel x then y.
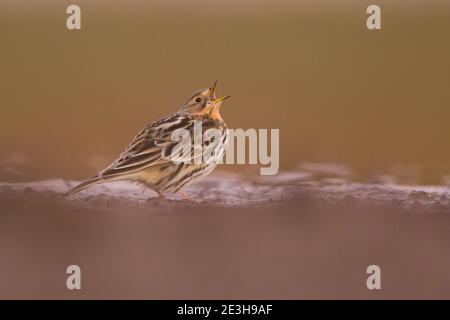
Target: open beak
{"type": "Point", "coordinates": [220, 99]}
{"type": "Point", "coordinates": [212, 94]}
{"type": "Point", "coordinates": [212, 91]}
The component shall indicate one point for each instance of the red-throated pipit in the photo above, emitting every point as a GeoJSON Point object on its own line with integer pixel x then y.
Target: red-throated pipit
{"type": "Point", "coordinates": [149, 157]}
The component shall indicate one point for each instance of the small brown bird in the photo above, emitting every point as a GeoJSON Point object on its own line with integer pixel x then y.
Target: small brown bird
{"type": "Point", "coordinates": [148, 158]}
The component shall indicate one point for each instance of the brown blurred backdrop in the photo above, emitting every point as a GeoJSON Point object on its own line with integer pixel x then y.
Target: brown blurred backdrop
{"type": "Point", "coordinates": [71, 100]}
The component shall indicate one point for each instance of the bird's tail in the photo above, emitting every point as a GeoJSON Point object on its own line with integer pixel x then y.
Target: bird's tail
{"type": "Point", "coordinates": [84, 185]}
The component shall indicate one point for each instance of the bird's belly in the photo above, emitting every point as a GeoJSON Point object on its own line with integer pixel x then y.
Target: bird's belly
{"type": "Point", "coordinates": [173, 176]}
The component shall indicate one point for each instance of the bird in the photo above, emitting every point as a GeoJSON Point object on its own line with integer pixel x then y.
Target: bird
{"type": "Point", "coordinates": [149, 160]}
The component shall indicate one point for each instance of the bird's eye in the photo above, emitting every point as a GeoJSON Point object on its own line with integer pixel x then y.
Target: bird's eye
{"type": "Point", "coordinates": [198, 99]}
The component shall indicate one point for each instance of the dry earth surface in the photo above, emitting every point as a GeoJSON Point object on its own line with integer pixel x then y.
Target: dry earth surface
{"type": "Point", "coordinates": [309, 233]}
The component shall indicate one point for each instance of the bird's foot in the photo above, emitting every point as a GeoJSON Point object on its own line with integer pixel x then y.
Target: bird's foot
{"type": "Point", "coordinates": [161, 198]}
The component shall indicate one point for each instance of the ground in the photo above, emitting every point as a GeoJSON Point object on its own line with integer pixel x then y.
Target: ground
{"type": "Point", "coordinates": [300, 234]}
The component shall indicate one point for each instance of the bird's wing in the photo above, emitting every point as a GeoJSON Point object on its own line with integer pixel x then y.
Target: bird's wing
{"type": "Point", "coordinates": [150, 148]}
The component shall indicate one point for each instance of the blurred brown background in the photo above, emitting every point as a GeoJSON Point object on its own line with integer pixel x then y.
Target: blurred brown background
{"type": "Point", "coordinates": [72, 100]}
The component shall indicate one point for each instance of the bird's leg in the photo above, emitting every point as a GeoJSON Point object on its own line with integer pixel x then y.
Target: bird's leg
{"type": "Point", "coordinates": [161, 196]}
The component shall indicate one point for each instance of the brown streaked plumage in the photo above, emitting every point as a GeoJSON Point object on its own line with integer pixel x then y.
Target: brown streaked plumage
{"type": "Point", "coordinates": [147, 159]}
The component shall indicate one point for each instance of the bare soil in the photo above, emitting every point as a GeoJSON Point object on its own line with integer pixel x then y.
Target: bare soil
{"type": "Point", "coordinates": [300, 234]}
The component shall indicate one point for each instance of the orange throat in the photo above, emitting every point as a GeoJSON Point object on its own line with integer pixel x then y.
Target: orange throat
{"type": "Point", "coordinates": [213, 113]}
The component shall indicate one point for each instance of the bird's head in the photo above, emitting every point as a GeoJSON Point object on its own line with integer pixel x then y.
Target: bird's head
{"type": "Point", "coordinates": [204, 102]}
